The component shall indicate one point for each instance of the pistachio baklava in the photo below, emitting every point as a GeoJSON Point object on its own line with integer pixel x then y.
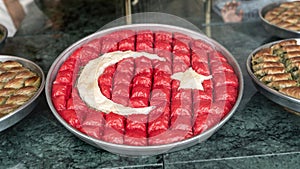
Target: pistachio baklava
{"type": "Point", "coordinates": [282, 72]}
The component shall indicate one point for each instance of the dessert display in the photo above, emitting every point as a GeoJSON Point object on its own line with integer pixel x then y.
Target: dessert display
{"type": "Point", "coordinates": [144, 89]}
{"type": "Point", "coordinates": [18, 84]}
{"type": "Point", "coordinates": [285, 16]}
{"type": "Point", "coordinates": [278, 67]}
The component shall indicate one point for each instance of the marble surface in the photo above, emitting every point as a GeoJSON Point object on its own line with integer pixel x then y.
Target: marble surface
{"type": "Point", "coordinates": [261, 134]}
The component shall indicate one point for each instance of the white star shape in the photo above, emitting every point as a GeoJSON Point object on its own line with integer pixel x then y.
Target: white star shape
{"type": "Point", "coordinates": [190, 79]}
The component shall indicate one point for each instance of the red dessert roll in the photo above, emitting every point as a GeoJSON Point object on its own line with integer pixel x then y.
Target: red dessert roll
{"type": "Point", "coordinates": [163, 49]}
{"type": "Point", "coordinates": [200, 46]}
{"type": "Point", "coordinates": [114, 128]}
{"type": "Point", "coordinates": [136, 124]}
{"type": "Point", "coordinates": [226, 93]}
{"type": "Point", "coordinates": [201, 68]}
{"type": "Point", "coordinates": [216, 56]}
{"type": "Point", "coordinates": [126, 34]}
{"type": "Point", "coordinates": [64, 77]}
{"type": "Point", "coordinates": [228, 79]}
{"type": "Point", "coordinates": [60, 103]}
{"type": "Point", "coordinates": [115, 123]}
{"type": "Point", "coordinates": [180, 47]}
{"type": "Point", "coordinates": [182, 37]}
{"type": "Point", "coordinates": [181, 105]}
{"type": "Point", "coordinates": [163, 36]}
{"type": "Point", "coordinates": [200, 56]}
{"type": "Point", "coordinates": [70, 116]}
{"type": "Point", "coordinates": [86, 54]}
{"type": "Point", "coordinates": [93, 124]}
{"type": "Point", "coordinates": [142, 80]}
{"type": "Point", "coordinates": [144, 46]}
{"type": "Point", "coordinates": [145, 35]}
{"type": "Point", "coordinates": [109, 44]}
{"type": "Point", "coordinates": [158, 122]}
{"type": "Point", "coordinates": [127, 44]}
{"type": "Point", "coordinates": [61, 90]}
{"type": "Point", "coordinates": [221, 67]}
{"type": "Point", "coordinates": [105, 81]}
{"type": "Point", "coordinates": [136, 130]}
{"type": "Point", "coordinates": [95, 44]}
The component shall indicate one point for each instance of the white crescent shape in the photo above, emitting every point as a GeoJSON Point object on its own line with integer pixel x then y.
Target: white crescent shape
{"type": "Point", "coordinates": [89, 91]}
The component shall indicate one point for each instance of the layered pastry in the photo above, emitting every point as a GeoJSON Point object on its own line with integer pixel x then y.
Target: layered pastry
{"type": "Point", "coordinates": [281, 73]}
{"type": "Point", "coordinates": [145, 87]}
{"type": "Point", "coordinates": [286, 16]}
{"type": "Point", "coordinates": [17, 85]}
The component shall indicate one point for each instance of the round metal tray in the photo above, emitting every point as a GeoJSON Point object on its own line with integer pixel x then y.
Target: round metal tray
{"type": "Point", "coordinates": [273, 29]}
{"type": "Point", "coordinates": [272, 94]}
{"type": "Point", "coordinates": [128, 150]}
{"type": "Point", "coordinates": [17, 115]}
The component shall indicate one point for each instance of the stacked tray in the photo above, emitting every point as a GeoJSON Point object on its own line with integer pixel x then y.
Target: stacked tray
{"type": "Point", "coordinates": [281, 19]}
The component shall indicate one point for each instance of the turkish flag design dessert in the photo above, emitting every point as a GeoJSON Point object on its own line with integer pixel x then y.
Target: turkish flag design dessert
{"type": "Point", "coordinates": [186, 83]}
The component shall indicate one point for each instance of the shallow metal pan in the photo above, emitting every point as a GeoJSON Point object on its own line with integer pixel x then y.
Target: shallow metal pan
{"type": "Point", "coordinates": [141, 150]}
{"type": "Point", "coordinates": [273, 29]}
{"type": "Point", "coordinates": [272, 94]}
{"type": "Point", "coordinates": [17, 115]}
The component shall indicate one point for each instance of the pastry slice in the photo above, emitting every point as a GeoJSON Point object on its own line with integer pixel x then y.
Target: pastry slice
{"type": "Point", "coordinates": [5, 77]}
{"type": "Point", "coordinates": [33, 81]}
{"type": "Point", "coordinates": [269, 70]}
{"type": "Point", "coordinates": [6, 92]}
{"type": "Point", "coordinates": [291, 91]}
{"type": "Point", "coordinates": [27, 90]}
{"type": "Point", "coordinates": [292, 54]}
{"type": "Point", "coordinates": [15, 83]}
{"type": "Point", "coordinates": [18, 69]}
{"type": "Point", "coordinates": [7, 108]}
{"type": "Point", "coordinates": [291, 48]}
{"type": "Point", "coordinates": [17, 99]}
{"type": "Point", "coordinates": [25, 74]}
{"type": "Point", "coordinates": [266, 65]}
{"type": "Point", "coordinates": [282, 84]}
{"type": "Point", "coordinates": [276, 77]}
{"type": "Point", "coordinates": [10, 64]}
{"type": "Point", "coordinates": [265, 58]}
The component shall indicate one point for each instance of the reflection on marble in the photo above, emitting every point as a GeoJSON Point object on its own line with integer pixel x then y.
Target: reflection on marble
{"type": "Point", "coordinates": [253, 131]}
{"type": "Point", "coordinates": [40, 141]}
{"type": "Point", "coordinates": [268, 161]}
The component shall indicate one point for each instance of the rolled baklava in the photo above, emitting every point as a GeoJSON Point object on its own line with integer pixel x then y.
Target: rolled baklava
{"type": "Point", "coordinates": [282, 72]}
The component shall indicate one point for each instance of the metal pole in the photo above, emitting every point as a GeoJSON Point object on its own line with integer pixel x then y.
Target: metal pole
{"type": "Point", "coordinates": [128, 11]}
{"type": "Point", "coordinates": [208, 17]}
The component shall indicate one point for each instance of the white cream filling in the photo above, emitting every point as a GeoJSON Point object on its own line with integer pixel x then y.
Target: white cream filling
{"type": "Point", "coordinates": [89, 91]}
{"type": "Point", "coordinates": [190, 79]}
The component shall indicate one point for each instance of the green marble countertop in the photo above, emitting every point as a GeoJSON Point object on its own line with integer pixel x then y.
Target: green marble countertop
{"type": "Point", "coordinates": [261, 134]}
